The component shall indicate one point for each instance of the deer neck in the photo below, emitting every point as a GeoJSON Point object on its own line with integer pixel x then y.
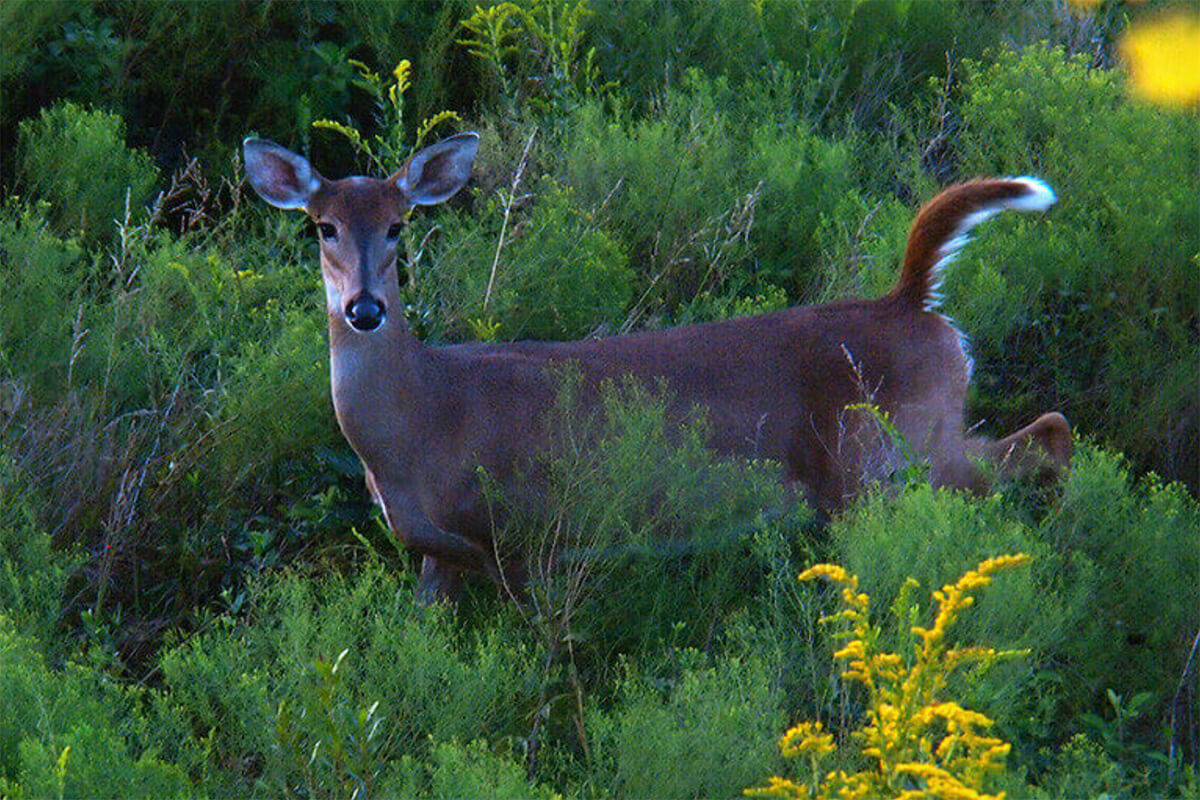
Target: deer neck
{"type": "Point", "coordinates": [375, 381]}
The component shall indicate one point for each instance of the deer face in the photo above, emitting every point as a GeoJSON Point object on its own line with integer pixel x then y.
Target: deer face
{"type": "Point", "coordinates": [359, 220]}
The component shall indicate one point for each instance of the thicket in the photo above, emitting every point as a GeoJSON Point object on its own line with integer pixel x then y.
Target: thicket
{"type": "Point", "coordinates": [196, 598]}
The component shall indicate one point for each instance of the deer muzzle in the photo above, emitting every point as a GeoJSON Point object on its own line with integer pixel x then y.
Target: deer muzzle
{"type": "Point", "coordinates": [365, 313]}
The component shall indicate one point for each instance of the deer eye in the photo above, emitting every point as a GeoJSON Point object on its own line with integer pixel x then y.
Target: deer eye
{"type": "Point", "coordinates": [327, 231]}
{"type": "Point", "coordinates": [394, 231]}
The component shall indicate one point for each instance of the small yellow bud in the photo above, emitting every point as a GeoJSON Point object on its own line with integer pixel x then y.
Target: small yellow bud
{"type": "Point", "coordinates": [1164, 59]}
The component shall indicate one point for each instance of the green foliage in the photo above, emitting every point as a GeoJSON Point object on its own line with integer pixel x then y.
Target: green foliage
{"type": "Point", "coordinates": [672, 534]}
{"type": "Point", "coordinates": [1142, 539]}
{"type": "Point", "coordinates": [562, 276]}
{"type": "Point", "coordinates": [535, 43]}
{"type": "Point", "coordinates": [349, 761]}
{"type": "Point", "coordinates": [33, 574]}
{"type": "Point", "coordinates": [699, 200]}
{"type": "Point", "coordinates": [113, 737]}
{"type": "Point", "coordinates": [388, 148]}
{"type": "Point", "coordinates": [249, 682]}
{"type": "Point", "coordinates": [664, 182]}
{"type": "Point", "coordinates": [26, 22]}
{"type": "Point", "coordinates": [558, 274]}
{"type": "Point", "coordinates": [473, 772]}
{"type": "Point", "coordinates": [42, 272]}
{"type": "Point", "coordinates": [1088, 600]}
{"type": "Point", "coordinates": [77, 161]}
{"type": "Point", "coordinates": [1092, 308]}
{"type": "Point", "coordinates": [718, 720]}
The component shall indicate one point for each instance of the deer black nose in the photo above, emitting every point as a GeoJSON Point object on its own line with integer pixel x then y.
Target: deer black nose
{"type": "Point", "coordinates": [365, 313]}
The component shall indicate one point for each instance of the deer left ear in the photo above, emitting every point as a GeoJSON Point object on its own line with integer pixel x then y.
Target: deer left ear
{"type": "Point", "coordinates": [437, 172]}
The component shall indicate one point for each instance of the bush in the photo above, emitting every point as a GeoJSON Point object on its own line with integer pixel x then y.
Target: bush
{"type": "Point", "coordinates": [907, 706]}
{"type": "Point", "coordinates": [33, 574]}
{"type": "Point", "coordinates": [41, 278]}
{"type": "Point", "coordinates": [72, 732]}
{"type": "Point", "coordinates": [1134, 547]}
{"type": "Point", "coordinates": [630, 554]}
{"type": "Point", "coordinates": [559, 275]}
{"type": "Point", "coordinates": [473, 772]}
{"type": "Point", "coordinates": [78, 162]}
{"type": "Point", "coordinates": [562, 277]}
{"type": "Point", "coordinates": [667, 180]}
{"type": "Point", "coordinates": [716, 724]}
{"type": "Point", "coordinates": [1091, 309]}
{"type": "Point", "coordinates": [430, 681]}
{"type": "Point", "coordinates": [1085, 604]}
{"type": "Point", "coordinates": [699, 200]}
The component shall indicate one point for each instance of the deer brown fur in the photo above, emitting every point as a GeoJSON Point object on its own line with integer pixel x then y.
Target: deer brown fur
{"type": "Point", "coordinates": [787, 386]}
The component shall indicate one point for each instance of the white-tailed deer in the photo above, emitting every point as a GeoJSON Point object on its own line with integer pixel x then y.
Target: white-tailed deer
{"type": "Point", "coordinates": [782, 386]}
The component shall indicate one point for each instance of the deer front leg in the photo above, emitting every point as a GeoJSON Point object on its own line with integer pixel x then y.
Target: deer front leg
{"type": "Point", "coordinates": [445, 555]}
{"type": "Point", "coordinates": [439, 582]}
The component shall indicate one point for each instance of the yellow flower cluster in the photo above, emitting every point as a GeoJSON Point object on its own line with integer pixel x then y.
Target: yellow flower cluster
{"type": "Point", "coordinates": [403, 82]}
{"type": "Point", "coordinates": [1164, 58]}
{"type": "Point", "coordinates": [920, 745]}
{"type": "Point", "coordinates": [1162, 51]}
{"type": "Point", "coordinates": [807, 738]}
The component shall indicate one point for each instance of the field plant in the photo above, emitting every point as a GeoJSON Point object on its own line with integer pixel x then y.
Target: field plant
{"type": "Point", "coordinates": [388, 148]}
{"type": "Point", "coordinates": [76, 161]}
{"type": "Point", "coordinates": [534, 53]}
{"type": "Point", "coordinates": [917, 742]}
{"type": "Point", "coordinates": [1045, 298]}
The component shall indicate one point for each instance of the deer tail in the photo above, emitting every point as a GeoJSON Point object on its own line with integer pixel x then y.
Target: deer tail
{"type": "Point", "coordinates": [944, 225]}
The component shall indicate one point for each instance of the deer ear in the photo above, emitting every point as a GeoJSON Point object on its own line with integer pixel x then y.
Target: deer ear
{"type": "Point", "coordinates": [282, 178]}
{"type": "Point", "coordinates": [435, 173]}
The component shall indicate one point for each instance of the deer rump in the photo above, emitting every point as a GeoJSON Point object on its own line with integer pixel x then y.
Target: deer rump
{"type": "Point", "coordinates": [804, 386]}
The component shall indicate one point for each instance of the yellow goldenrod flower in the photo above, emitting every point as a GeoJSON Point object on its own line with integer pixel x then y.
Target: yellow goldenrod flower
{"type": "Point", "coordinates": [831, 571]}
{"type": "Point", "coordinates": [778, 787]}
{"type": "Point", "coordinates": [401, 72]}
{"type": "Point", "coordinates": [929, 746]}
{"type": "Point", "coordinates": [1164, 58]}
{"type": "Point", "coordinates": [807, 738]}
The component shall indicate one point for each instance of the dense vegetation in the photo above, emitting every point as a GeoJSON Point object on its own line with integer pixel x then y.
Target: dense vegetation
{"type": "Point", "coordinates": [196, 598]}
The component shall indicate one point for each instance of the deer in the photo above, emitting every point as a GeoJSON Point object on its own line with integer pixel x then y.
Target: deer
{"type": "Point", "coordinates": [789, 386]}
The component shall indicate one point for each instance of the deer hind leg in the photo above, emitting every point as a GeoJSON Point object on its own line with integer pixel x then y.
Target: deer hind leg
{"type": "Point", "coordinates": [1041, 449]}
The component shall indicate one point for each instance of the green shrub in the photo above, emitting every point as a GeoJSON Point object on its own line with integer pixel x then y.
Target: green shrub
{"type": "Point", "coordinates": [1092, 308]}
{"type": "Point", "coordinates": [627, 553]}
{"type": "Point", "coordinates": [710, 733]}
{"type": "Point", "coordinates": [1135, 548]}
{"type": "Point", "coordinates": [697, 198]}
{"type": "Point", "coordinates": [41, 277]}
{"type": "Point", "coordinates": [933, 537]}
{"type": "Point", "coordinates": [667, 180]}
{"type": "Point", "coordinates": [804, 178]}
{"type": "Point", "coordinates": [562, 277]}
{"type": "Point", "coordinates": [861, 241]}
{"type": "Point", "coordinates": [1087, 604]}
{"type": "Point", "coordinates": [115, 736]}
{"type": "Point", "coordinates": [77, 160]}
{"type": "Point", "coordinates": [429, 680]}
{"type": "Point", "coordinates": [473, 772]}
{"type": "Point", "coordinates": [559, 275]}
{"type": "Point", "coordinates": [33, 574]}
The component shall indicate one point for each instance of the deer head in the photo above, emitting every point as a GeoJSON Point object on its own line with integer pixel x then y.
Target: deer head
{"type": "Point", "coordinates": [359, 220]}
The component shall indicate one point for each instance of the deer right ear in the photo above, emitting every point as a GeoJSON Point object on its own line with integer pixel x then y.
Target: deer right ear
{"type": "Point", "coordinates": [282, 178]}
